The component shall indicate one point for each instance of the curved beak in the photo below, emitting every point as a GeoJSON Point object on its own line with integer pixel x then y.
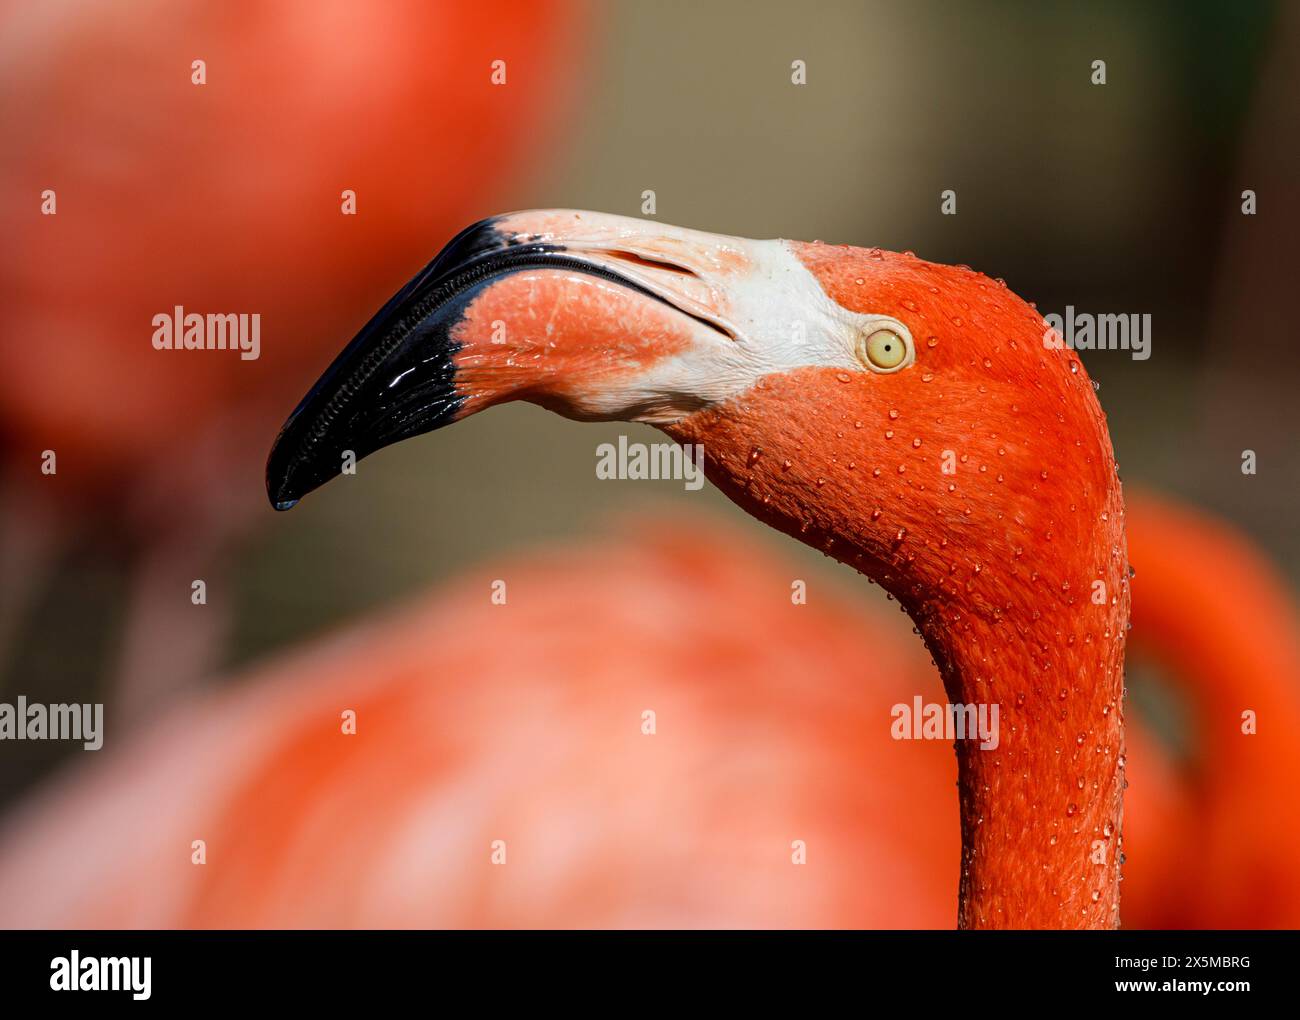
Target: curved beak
{"type": "Point", "coordinates": [596, 317]}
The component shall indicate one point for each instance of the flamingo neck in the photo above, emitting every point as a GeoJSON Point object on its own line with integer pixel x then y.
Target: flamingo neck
{"type": "Point", "coordinates": [1015, 571]}
{"type": "Point", "coordinates": [1041, 811]}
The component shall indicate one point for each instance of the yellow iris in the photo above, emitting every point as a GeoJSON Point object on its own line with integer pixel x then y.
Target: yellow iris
{"type": "Point", "coordinates": [884, 349]}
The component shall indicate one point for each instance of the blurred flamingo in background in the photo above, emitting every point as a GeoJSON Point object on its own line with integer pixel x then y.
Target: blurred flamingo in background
{"type": "Point", "coordinates": [523, 723]}
{"type": "Point", "coordinates": [167, 192]}
{"type": "Point", "coordinates": [1215, 616]}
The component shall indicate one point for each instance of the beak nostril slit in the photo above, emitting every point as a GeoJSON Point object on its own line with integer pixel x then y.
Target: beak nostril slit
{"type": "Point", "coordinates": [648, 263]}
{"type": "Point", "coordinates": [636, 260]}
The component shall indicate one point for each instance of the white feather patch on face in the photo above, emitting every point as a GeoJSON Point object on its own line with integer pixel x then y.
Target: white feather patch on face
{"type": "Point", "coordinates": [765, 312]}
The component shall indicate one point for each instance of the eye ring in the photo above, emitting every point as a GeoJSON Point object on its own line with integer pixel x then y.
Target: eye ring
{"type": "Point", "coordinates": [884, 349]}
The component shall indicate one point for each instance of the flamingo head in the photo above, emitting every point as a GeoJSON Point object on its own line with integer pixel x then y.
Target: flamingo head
{"type": "Point", "coordinates": [906, 416]}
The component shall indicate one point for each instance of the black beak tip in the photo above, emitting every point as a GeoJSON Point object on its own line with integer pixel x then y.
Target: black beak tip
{"type": "Point", "coordinates": [279, 488]}
{"type": "Point", "coordinates": [356, 406]}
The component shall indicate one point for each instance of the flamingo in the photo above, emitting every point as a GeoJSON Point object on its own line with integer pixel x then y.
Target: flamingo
{"type": "Point", "coordinates": [478, 722]}
{"type": "Point", "coordinates": [154, 196]}
{"type": "Point", "coordinates": [907, 418]}
{"type": "Point", "coordinates": [541, 746]}
{"type": "Point", "coordinates": [829, 388]}
{"type": "Point", "coordinates": [1229, 863]}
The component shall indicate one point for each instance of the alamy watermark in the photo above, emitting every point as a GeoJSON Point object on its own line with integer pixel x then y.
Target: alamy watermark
{"type": "Point", "coordinates": [1084, 331]}
{"type": "Point", "coordinates": [934, 721]}
{"type": "Point", "coordinates": [644, 461]}
{"type": "Point", "coordinates": [77, 973]}
{"type": "Point", "coordinates": [189, 331]}
{"type": "Point", "coordinates": [34, 721]}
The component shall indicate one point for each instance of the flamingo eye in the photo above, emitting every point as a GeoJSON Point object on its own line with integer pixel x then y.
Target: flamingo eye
{"type": "Point", "coordinates": [882, 350]}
